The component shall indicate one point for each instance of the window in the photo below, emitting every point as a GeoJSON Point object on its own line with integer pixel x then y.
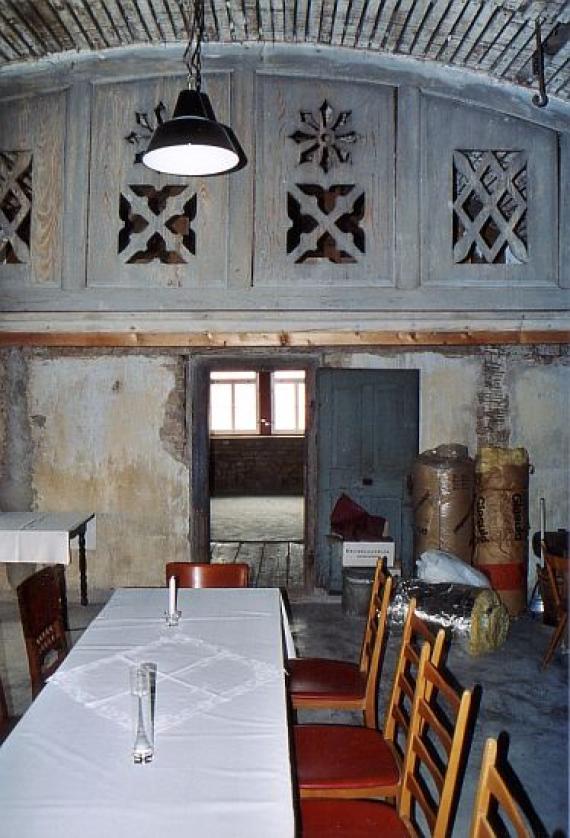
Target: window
{"type": "Point", "coordinates": [233, 403]}
{"type": "Point", "coordinates": [288, 401]}
{"type": "Point", "coordinates": [249, 402]}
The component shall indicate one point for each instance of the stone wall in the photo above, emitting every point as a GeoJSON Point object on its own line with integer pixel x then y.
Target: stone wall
{"type": "Point", "coordinates": [260, 465]}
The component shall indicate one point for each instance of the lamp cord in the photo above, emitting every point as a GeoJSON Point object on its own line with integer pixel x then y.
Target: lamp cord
{"type": "Point", "coordinates": [193, 51]}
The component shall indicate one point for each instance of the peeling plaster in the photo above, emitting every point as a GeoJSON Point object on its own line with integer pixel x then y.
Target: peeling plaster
{"type": "Point", "coordinates": [173, 433]}
{"type": "Point", "coordinates": [16, 453]}
{"type": "Point", "coordinates": [100, 449]}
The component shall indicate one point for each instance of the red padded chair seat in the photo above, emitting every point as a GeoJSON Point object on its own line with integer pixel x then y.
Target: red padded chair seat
{"type": "Point", "coordinates": [343, 756]}
{"type": "Point", "coordinates": [312, 677]}
{"type": "Point", "coordinates": [350, 819]}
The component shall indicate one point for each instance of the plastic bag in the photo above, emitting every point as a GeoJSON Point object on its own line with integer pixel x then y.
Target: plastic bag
{"type": "Point", "coordinates": [438, 566]}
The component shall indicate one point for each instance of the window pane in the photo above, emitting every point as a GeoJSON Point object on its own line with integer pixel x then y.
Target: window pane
{"type": "Point", "coordinates": [289, 375]}
{"type": "Point", "coordinates": [300, 407]}
{"type": "Point", "coordinates": [232, 376]}
{"type": "Point", "coordinates": [284, 403]}
{"type": "Point", "coordinates": [245, 407]}
{"type": "Point", "coordinates": [221, 407]}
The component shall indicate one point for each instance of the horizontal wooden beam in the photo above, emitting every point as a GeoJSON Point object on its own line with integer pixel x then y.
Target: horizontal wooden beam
{"type": "Point", "coordinates": [297, 339]}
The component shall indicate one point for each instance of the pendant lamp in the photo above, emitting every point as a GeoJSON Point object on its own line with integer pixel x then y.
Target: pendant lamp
{"type": "Point", "coordinates": [193, 143]}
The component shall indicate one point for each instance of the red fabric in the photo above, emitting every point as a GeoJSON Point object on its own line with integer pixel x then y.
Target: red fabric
{"type": "Point", "coordinates": [354, 523]}
{"type": "Point", "coordinates": [343, 756]}
{"type": "Point", "coordinates": [319, 677]}
{"type": "Point", "coordinates": [510, 576]}
{"type": "Point", "coordinates": [350, 819]}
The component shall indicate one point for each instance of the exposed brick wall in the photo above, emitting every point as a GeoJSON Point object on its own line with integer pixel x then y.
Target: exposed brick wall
{"type": "Point", "coordinates": [263, 465]}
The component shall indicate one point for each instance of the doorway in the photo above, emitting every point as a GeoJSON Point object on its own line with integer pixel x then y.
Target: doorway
{"type": "Point", "coordinates": [251, 464]}
{"type": "Point", "coordinates": [368, 433]}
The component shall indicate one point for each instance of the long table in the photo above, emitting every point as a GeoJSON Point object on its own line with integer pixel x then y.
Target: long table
{"type": "Point", "coordinates": [221, 765]}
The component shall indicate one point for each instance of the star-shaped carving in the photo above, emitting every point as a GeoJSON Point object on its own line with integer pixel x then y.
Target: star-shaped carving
{"type": "Point", "coordinates": [323, 137]}
{"type": "Point", "coordinates": [145, 129]}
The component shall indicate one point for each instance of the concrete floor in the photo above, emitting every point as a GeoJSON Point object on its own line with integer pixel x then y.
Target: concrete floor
{"type": "Point", "coordinates": [259, 518]}
{"type": "Point", "coordinates": [517, 697]}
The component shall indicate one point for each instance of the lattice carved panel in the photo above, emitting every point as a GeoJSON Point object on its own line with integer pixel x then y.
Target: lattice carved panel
{"type": "Point", "coordinates": [15, 206]}
{"type": "Point", "coordinates": [151, 230]}
{"type": "Point", "coordinates": [488, 201]}
{"type": "Point", "coordinates": [490, 207]}
{"type": "Point", "coordinates": [324, 194]}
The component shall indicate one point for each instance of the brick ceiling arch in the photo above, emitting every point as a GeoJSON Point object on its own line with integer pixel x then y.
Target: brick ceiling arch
{"type": "Point", "coordinates": [492, 37]}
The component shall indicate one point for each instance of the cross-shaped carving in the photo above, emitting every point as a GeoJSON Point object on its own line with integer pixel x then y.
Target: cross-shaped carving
{"type": "Point", "coordinates": [326, 215]}
{"type": "Point", "coordinates": [161, 213]}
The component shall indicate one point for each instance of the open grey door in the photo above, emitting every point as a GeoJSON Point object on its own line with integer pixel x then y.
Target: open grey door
{"type": "Point", "coordinates": [367, 434]}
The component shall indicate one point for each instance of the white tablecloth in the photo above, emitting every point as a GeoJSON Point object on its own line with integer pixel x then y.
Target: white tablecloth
{"type": "Point", "coordinates": [38, 537]}
{"type": "Point", "coordinates": [221, 765]}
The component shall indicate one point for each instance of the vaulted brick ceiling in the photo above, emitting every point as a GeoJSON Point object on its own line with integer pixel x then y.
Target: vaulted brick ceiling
{"type": "Point", "coordinates": [495, 37]}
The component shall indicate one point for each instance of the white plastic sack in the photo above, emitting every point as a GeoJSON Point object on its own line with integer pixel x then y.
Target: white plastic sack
{"type": "Point", "coordinates": [438, 566]}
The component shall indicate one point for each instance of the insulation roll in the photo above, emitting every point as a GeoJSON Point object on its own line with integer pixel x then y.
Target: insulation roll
{"type": "Point", "coordinates": [501, 522]}
{"type": "Point", "coordinates": [474, 615]}
{"type": "Point", "coordinates": [442, 495]}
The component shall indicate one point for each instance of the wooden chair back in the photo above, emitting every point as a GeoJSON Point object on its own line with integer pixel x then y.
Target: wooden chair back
{"type": "Point", "coordinates": [416, 634]}
{"type": "Point", "coordinates": [41, 613]}
{"type": "Point", "coordinates": [374, 640]}
{"type": "Point", "coordinates": [557, 574]}
{"type": "Point", "coordinates": [4, 717]}
{"type": "Point", "coordinates": [496, 812]}
{"type": "Point", "coordinates": [434, 752]}
{"type": "Point", "coordinates": [206, 575]}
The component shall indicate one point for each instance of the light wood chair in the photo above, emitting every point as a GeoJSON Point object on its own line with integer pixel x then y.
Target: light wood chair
{"type": "Point", "coordinates": [427, 796]}
{"type": "Point", "coordinates": [325, 683]}
{"type": "Point", "coordinates": [557, 574]}
{"type": "Point", "coordinates": [206, 575]}
{"type": "Point", "coordinates": [496, 811]}
{"type": "Point", "coordinates": [41, 613]}
{"type": "Point", "coordinates": [349, 761]}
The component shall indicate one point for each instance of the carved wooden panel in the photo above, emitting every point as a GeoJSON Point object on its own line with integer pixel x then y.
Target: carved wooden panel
{"type": "Point", "coordinates": [147, 229]}
{"type": "Point", "coordinates": [489, 210]}
{"type": "Point", "coordinates": [324, 183]}
{"type": "Point", "coordinates": [31, 190]}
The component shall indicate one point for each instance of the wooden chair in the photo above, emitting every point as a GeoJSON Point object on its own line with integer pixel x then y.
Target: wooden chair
{"type": "Point", "coordinates": [4, 717]}
{"type": "Point", "coordinates": [317, 683]}
{"type": "Point", "coordinates": [39, 598]}
{"type": "Point", "coordinates": [206, 575]}
{"type": "Point", "coordinates": [496, 812]}
{"type": "Point", "coordinates": [431, 773]}
{"type": "Point", "coordinates": [349, 761]}
{"type": "Point", "coordinates": [557, 573]}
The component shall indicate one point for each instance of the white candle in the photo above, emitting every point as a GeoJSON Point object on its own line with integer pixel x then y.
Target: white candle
{"type": "Point", "coordinates": [172, 595]}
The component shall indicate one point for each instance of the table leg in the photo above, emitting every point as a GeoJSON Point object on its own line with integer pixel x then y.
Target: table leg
{"type": "Point", "coordinates": [82, 565]}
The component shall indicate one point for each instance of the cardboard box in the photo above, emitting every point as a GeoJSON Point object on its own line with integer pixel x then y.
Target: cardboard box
{"type": "Point", "coordinates": [366, 553]}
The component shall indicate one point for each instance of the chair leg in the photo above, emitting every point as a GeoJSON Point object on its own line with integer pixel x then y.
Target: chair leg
{"type": "Point", "coordinates": [555, 640]}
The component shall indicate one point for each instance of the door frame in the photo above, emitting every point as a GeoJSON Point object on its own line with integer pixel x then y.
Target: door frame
{"type": "Point", "coordinates": [197, 418]}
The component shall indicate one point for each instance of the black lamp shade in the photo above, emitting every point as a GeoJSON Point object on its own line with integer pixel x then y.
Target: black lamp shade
{"type": "Point", "coordinates": [193, 143]}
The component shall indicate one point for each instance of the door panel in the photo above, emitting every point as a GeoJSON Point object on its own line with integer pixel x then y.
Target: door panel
{"type": "Point", "coordinates": [367, 442]}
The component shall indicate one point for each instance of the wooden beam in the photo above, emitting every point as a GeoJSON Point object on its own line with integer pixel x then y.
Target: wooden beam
{"type": "Point", "coordinates": [297, 339]}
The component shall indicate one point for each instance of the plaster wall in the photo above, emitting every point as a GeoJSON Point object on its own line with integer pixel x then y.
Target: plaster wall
{"type": "Point", "coordinates": [106, 431]}
{"type": "Point", "coordinates": [100, 441]}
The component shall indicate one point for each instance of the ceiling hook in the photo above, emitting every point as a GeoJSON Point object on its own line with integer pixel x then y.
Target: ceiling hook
{"type": "Point", "coordinates": [539, 99]}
